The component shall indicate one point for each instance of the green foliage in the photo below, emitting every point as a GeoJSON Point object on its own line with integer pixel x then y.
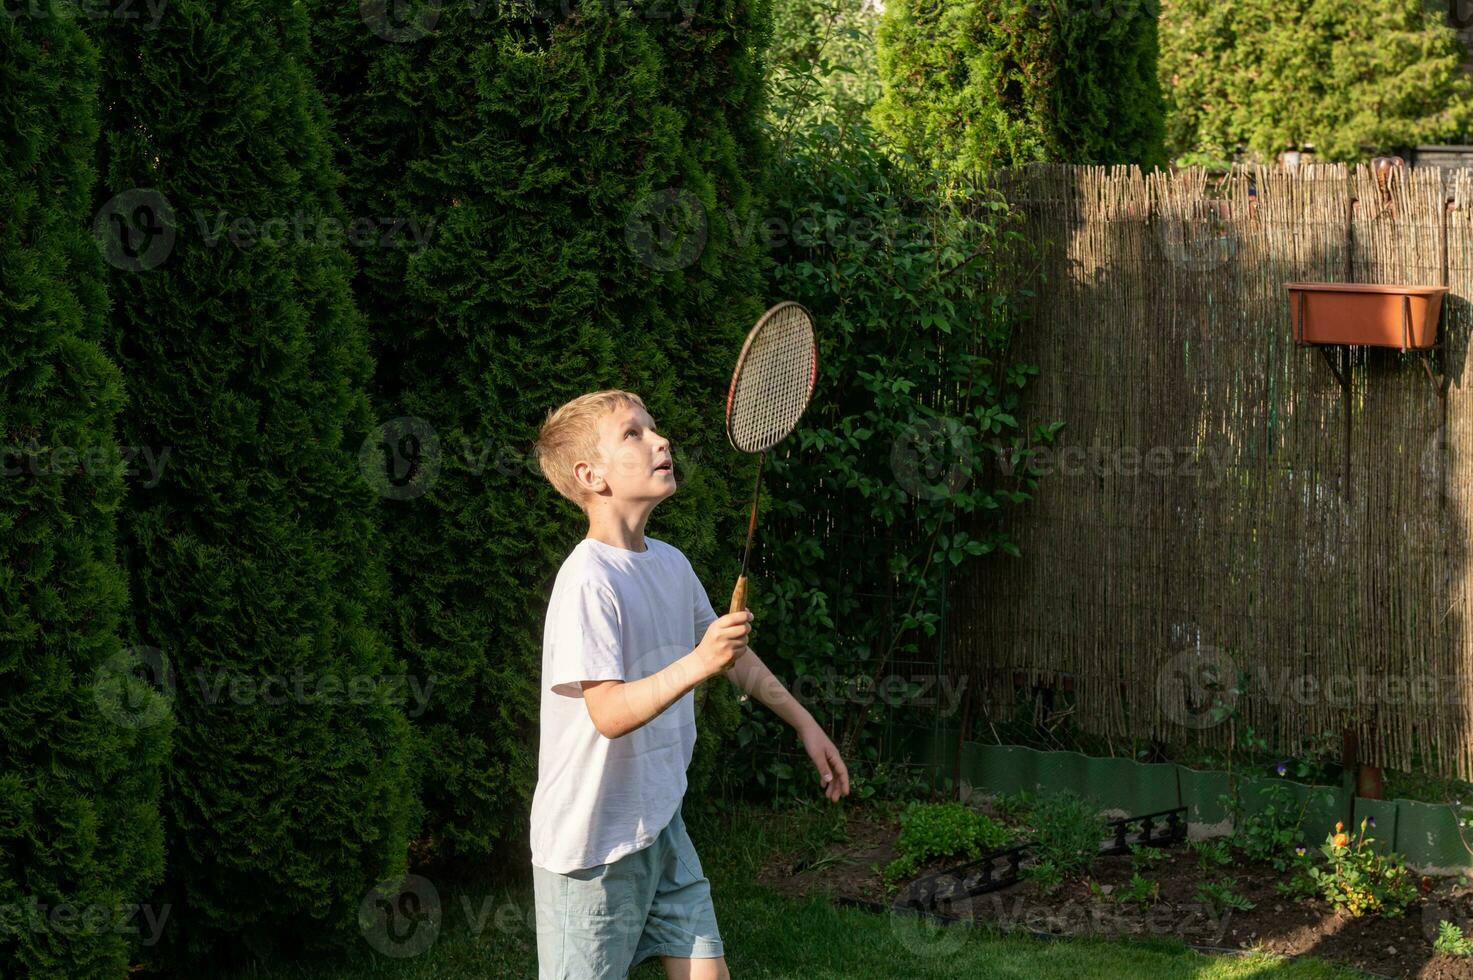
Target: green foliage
{"type": "Point", "coordinates": [978, 84]}
{"type": "Point", "coordinates": [822, 62]}
{"type": "Point", "coordinates": [904, 479]}
{"type": "Point", "coordinates": [1045, 874]}
{"type": "Point", "coordinates": [1221, 895]}
{"type": "Point", "coordinates": [1211, 854]}
{"type": "Point", "coordinates": [1357, 879]}
{"type": "Point", "coordinates": [1451, 941]}
{"type": "Point", "coordinates": [256, 561]}
{"type": "Point", "coordinates": [1144, 858]}
{"type": "Point", "coordinates": [1269, 834]}
{"type": "Point", "coordinates": [585, 176]}
{"type": "Point", "coordinates": [942, 830]}
{"type": "Point", "coordinates": [1065, 831]}
{"type": "Point", "coordinates": [1266, 75]}
{"type": "Point", "coordinates": [1141, 891]}
{"type": "Point", "coordinates": [80, 834]}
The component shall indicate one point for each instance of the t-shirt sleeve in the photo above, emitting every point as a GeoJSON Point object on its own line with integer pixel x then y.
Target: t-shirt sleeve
{"type": "Point", "coordinates": [586, 642]}
{"type": "Point", "coordinates": [704, 614]}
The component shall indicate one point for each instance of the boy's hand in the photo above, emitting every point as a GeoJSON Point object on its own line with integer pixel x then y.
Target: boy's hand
{"type": "Point", "coordinates": [725, 642]}
{"type": "Point", "coordinates": [831, 768]}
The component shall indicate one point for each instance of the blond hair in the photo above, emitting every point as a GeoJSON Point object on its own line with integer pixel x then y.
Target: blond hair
{"type": "Point", "coordinates": [570, 433]}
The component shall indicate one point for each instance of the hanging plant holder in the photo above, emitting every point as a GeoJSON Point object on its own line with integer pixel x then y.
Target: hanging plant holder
{"type": "Point", "coordinates": [1346, 314]}
{"type": "Point", "coordinates": [1366, 314]}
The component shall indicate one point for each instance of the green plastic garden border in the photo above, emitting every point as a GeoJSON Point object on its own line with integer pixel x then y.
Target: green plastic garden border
{"type": "Point", "coordinates": [1425, 835]}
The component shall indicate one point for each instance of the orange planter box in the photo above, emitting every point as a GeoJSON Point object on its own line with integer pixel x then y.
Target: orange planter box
{"type": "Point", "coordinates": [1404, 317]}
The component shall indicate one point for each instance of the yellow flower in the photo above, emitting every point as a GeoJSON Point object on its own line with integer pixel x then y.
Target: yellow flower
{"type": "Point", "coordinates": [1341, 840]}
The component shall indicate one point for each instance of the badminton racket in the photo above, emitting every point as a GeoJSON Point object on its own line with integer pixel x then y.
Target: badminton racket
{"type": "Point", "coordinates": [770, 388]}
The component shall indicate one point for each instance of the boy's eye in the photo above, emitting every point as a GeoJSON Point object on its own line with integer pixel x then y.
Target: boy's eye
{"type": "Point", "coordinates": [630, 433]}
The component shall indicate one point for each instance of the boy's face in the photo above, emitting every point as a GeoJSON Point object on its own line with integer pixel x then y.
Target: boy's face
{"type": "Point", "coordinates": [635, 461]}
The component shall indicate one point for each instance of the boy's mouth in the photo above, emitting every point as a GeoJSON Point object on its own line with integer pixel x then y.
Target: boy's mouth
{"type": "Point", "coordinates": [665, 466]}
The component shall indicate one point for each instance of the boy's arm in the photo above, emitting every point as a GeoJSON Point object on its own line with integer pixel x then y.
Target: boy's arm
{"type": "Point", "coordinates": [751, 675]}
{"type": "Point", "coordinates": [619, 707]}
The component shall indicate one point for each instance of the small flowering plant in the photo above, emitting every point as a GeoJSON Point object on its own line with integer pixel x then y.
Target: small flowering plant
{"type": "Point", "coordinates": [1357, 880]}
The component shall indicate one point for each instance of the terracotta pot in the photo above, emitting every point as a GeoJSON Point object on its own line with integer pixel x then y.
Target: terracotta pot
{"type": "Point", "coordinates": [1404, 317]}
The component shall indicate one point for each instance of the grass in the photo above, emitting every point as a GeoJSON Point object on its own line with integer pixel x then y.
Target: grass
{"type": "Point", "coordinates": [488, 933]}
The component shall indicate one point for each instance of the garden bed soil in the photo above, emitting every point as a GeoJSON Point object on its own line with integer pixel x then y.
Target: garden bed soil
{"type": "Point", "coordinates": [1395, 947]}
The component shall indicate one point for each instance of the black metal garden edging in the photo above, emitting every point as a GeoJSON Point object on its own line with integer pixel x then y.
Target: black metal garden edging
{"type": "Point", "coordinates": [1175, 831]}
{"type": "Point", "coordinates": [966, 880]}
{"type": "Point", "coordinates": [999, 869]}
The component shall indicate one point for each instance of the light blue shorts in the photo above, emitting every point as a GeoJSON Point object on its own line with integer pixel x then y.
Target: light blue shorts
{"type": "Point", "coordinates": [599, 923]}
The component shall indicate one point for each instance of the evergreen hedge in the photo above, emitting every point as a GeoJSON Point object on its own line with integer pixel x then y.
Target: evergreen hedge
{"type": "Point", "coordinates": [256, 561]}
{"type": "Point", "coordinates": [994, 83]}
{"type": "Point", "coordinates": [904, 468]}
{"type": "Point", "coordinates": [1261, 76]}
{"type": "Point", "coordinates": [80, 838]}
{"type": "Point", "coordinates": [549, 150]}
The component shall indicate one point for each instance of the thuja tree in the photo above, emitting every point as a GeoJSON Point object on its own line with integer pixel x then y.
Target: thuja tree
{"type": "Point", "coordinates": [894, 475]}
{"type": "Point", "coordinates": [255, 559]}
{"type": "Point", "coordinates": [991, 83]}
{"type": "Point", "coordinates": [80, 838]}
{"type": "Point", "coordinates": [587, 174]}
{"type": "Point", "coordinates": [1262, 76]}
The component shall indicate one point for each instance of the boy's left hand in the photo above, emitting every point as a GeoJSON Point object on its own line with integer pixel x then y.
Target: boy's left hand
{"type": "Point", "coordinates": [831, 770]}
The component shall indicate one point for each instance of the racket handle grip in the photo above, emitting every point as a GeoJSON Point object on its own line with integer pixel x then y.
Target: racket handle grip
{"type": "Point", "coordinates": [739, 596]}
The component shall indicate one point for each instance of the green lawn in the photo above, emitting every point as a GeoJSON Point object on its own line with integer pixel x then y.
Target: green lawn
{"type": "Point", "coordinates": [488, 933]}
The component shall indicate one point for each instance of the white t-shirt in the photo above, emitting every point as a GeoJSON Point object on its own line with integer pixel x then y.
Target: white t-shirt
{"type": "Point", "coordinates": [615, 614]}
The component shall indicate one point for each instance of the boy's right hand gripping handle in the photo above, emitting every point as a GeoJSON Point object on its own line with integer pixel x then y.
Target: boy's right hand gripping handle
{"type": "Point", "coordinates": [739, 596]}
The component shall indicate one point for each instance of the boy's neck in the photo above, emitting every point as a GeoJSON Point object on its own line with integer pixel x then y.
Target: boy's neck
{"type": "Point", "coordinates": [619, 530]}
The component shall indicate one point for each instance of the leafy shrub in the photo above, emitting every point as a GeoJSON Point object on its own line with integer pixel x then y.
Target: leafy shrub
{"type": "Point", "coordinates": [1356, 879]}
{"type": "Point", "coordinates": [1221, 895]}
{"type": "Point", "coordinates": [1450, 940]}
{"type": "Point", "coordinates": [1271, 833]}
{"type": "Point", "coordinates": [1145, 858]}
{"type": "Point", "coordinates": [1211, 854]}
{"type": "Point", "coordinates": [1141, 891]}
{"type": "Point", "coordinates": [1045, 874]}
{"type": "Point", "coordinates": [916, 393]}
{"type": "Point", "coordinates": [1066, 830]}
{"type": "Point", "coordinates": [975, 84]}
{"type": "Point", "coordinates": [943, 830]}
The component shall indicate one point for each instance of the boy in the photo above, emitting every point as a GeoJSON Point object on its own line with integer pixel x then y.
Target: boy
{"type": "Point", "coordinates": [630, 632]}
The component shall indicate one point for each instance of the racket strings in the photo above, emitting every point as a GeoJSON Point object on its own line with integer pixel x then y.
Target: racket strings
{"type": "Point", "coordinates": [774, 381]}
